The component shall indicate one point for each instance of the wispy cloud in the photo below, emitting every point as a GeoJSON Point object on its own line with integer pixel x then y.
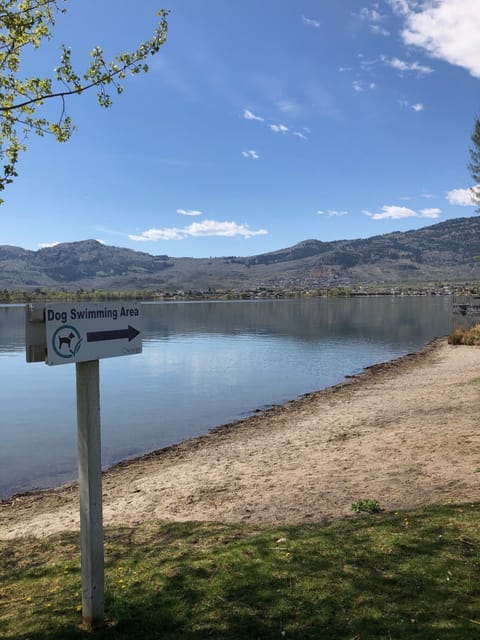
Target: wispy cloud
{"type": "Point", "coordinates": [403, 66]}
{"type": "Point", "coordinates": [360, 86]}
{"type": "Point", "coordinates": [367, 64]}
{"type": "Point", "coordinates": [300, 135]}
{"type": "Point", "coordinates": [311, 22]}
{"type": "Point", "coordinates": [170, 75]}
{"type": "Point", "coordinates": [392, 212]}
{"type": "Point", "coordinates": [288, 106]}
{"type": "Point", "coordinates": [418, 106]}
{"type": "Point", "coordinates": [278, 128]}
{"type": "Point", "coordinates": [251, 153]}
{"type": "Point", "coordinates": [462, 197]}
{"type": "Point", "coordinates": [226, 229]}
{"type": "Point", "coordinates": [248, 115]}
{"type": "Point", "coordinates": [379, 30]}
{"type": "Point", "coordinates": [373, 16]}
{"type": "Point", "coordinates": [189, 212]}
{"type": "Point", "coordinates": [400, 7]}
{"type": "Point", "coordinates": [331, 213]}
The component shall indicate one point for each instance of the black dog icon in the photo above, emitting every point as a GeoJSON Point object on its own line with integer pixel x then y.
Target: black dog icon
{"type": "Point", "coordinates": [65, 340]}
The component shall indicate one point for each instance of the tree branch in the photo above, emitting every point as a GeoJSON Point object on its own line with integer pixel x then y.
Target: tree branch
{"type": "Point", "coordinates": [105, 79]}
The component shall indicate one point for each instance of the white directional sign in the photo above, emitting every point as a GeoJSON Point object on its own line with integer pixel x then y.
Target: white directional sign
{"type": "Point", "coordinates": [80, 332]}
{"type": "Point", "coordinates": [83, 333]}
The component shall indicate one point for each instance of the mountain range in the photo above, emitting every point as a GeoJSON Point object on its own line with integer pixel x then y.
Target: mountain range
{"type": "Point", "coordinates": [447, 252]}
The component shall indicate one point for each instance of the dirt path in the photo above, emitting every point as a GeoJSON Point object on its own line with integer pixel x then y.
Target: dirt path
{"type": "Point", "coordinates": [405, 433]}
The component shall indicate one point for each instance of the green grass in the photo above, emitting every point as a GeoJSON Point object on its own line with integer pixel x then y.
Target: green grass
{"type": "Point", "coordinates": [386, 576]}
{"type": "Point", "coordinates": [367, 505]}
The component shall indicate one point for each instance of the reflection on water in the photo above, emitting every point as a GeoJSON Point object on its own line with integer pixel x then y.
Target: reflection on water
{"type": "Point", "coordinates": [203, 364]}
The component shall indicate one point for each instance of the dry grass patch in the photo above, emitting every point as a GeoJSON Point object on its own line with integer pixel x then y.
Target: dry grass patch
{"type": "Point", "coordinates": [469, 337]}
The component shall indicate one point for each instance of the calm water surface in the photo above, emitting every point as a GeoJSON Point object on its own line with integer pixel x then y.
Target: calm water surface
{"type": "Point", "coordinates": [203, 364]}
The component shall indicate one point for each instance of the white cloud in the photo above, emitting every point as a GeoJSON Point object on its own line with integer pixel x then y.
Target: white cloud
{"type": "Point", "coordinates": [248, 115]}
{"type": "Point", "coordinates": [462, 197]}
{"type": "Point", "coordinates": [278, 128]}
{"type": "Point", "coordinates": [391, 212]}
{"type": "Point", "coordinates": [430, 213]}
{"type": "Point", "coordinates": [403, 66]}
{"type": "Point", "coordinates": [251, 153]}
{"type": "Point", "coordinates": [300, 135]}
{"type": "Point", "coordinates": [153, 235]}
{"type": "Point", "coordinates": [448, 29]}
{"type": "Point", "coordinates": [311, 22]}
{"type": "Point", "coordinates": [227, 229]}
{"type": "Point", "coordinates": [344, 69]}
{"type": "Point", "coordinates": [332, 213]}
{"type": "Point", "coordinates": [189, 212]}
{"type": "Point", "coordinates": [47, 245]}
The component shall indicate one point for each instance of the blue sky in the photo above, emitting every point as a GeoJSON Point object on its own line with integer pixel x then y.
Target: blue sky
{"type": "Point", "coordinates": [260, 124]}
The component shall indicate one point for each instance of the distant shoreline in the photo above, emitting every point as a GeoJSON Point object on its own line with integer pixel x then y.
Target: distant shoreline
{"type": "Point", "coordinates": [24, 296]}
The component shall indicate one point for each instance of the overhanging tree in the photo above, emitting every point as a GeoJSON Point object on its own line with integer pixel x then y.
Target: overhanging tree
{"type": "Point", "coordinates": [474, 165]}
{"type": "Point", "coordinates": [26, 24]}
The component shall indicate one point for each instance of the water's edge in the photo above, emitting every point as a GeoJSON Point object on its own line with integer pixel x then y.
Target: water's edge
{"type": "Point", "coordinates": [369, 373]}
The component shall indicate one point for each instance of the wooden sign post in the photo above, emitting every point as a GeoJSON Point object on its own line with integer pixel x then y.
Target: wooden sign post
{"type": "Point", "coordinates": [90, 486]}
{"type": "Point", "coordinates": [82, 334]}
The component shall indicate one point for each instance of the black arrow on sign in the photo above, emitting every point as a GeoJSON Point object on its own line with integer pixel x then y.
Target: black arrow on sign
{"type": "Point", "coordinates": [115, 334]}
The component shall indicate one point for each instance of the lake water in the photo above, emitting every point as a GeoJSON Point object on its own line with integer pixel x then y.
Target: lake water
{"type": "Point", "coordinates": [203, 364]}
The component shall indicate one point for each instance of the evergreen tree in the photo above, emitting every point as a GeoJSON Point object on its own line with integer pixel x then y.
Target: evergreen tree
{"type": "Point", "coordinates": [474, 165]}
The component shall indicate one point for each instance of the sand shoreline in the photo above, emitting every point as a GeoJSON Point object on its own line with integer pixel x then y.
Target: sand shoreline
{"type": "Point", "coordinates": [403, 432]}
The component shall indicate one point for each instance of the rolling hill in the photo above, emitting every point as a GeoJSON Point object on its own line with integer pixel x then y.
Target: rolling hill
{"type": "Point", "coordinates": [448, 251]}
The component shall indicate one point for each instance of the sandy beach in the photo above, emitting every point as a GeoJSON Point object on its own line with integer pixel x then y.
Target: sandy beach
{"type": "Point", "coordinates": [405, 433]}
